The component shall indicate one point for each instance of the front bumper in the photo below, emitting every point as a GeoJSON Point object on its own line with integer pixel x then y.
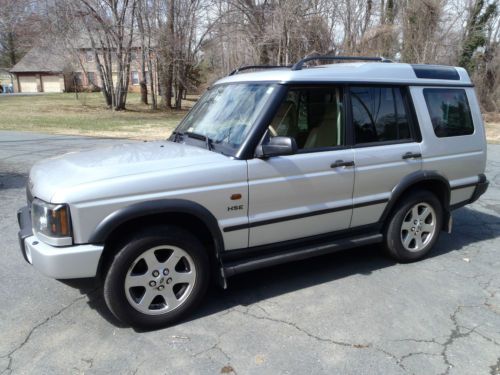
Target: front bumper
{"type": "Point", "coordinates": [67, 262]}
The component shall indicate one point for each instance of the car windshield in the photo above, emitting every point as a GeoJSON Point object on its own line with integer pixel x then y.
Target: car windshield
{"type": "Point", "coordinates": [225, 114]}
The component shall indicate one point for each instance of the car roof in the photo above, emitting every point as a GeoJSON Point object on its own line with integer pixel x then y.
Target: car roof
{"type": "Point", "coordinates": [360, 72]}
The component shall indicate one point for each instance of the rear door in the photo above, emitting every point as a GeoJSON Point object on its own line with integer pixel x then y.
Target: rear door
{"type": "Point", "coordinates": [310, 192]}
{"type": "Point", "coordinates": [386, 147]}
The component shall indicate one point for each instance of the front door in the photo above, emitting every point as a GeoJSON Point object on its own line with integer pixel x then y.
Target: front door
{"type": "Point", "coordinates": [310, 192]}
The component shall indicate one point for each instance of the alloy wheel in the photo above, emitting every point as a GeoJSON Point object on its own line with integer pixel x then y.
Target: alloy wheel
{"type": "Point", "coordinates": [418, 227]}
{"type": "Point", "coordinates": [160, 280]}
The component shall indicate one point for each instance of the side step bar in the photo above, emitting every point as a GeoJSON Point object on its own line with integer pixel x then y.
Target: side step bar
{"type": "Point", "coordinates": [249, 264]}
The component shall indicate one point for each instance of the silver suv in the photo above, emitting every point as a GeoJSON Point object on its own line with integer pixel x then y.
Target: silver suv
{"type": "Point", "coordinates": [270, 166]}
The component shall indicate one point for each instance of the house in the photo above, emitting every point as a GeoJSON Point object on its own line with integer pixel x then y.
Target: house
{"type": "Point", "coordinates": [49, 69]}
{"type": "Point", "coordinates": [86, 72]}
{"type": "Point", "coordinates": [40, 70]}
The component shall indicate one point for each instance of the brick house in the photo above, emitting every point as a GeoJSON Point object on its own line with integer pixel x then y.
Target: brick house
{"type": "Point", "coordinates": [43, 69]}
{"type": "Point", "coordinates": [86, 73]}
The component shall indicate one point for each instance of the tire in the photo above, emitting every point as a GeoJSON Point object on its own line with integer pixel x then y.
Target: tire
{"type": "Point", "coordinates": [414, 226]}
{"type": "Point", "coordinates": [157, 277]}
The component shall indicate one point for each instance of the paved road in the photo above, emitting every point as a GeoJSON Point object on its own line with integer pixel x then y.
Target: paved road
{"type": "Point", "coordinates": [355, 312]}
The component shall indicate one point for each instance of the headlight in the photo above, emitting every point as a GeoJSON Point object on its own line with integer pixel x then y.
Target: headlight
{"type": "Point", "coordinates": [52, 222]}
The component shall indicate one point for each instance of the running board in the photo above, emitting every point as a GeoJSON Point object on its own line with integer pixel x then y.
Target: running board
{"type": "Point", "coordinates": [250, 264]}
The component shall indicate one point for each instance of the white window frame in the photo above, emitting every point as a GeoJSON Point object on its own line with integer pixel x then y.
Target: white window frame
{"type": "Point", "coordinates": [132, 78]}
{"type": "Point", "coordinates": [89, 56]}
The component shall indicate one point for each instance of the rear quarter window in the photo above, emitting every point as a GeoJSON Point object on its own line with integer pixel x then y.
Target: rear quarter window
{"type": "Point", "coordinates": [449, 111]}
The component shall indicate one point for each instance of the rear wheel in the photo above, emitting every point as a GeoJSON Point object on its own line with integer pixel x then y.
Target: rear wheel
{"type": "Point", "coordinates": [157, 277]}
{"type": "Point", "coordinates": [414, 226]}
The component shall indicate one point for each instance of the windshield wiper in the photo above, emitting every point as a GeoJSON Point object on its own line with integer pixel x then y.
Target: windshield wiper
{"type": "Point", "coordinates": [208, 141]}
{"type": "Point", "coordinates": [177, 136]}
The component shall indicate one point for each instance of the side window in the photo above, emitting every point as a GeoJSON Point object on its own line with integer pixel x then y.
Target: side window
{"type": "Point", "coordinates": [91, 78]}
{"type": "Point", "coordinates": [313, 116]}
{"type": "Point", "coordinates": [379, 114]}
{"type": "Point", "coordinates": [449, 111]}
{"type": "Point", "coordinates": [135, 77]}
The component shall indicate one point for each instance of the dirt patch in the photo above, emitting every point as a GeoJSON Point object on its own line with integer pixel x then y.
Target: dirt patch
{"type": "Point", "coordinates": [492, 126]}
{"type": "Point", "coordinates": [491, 116]}
{"type": "Point", "coordinates": [493, 132]}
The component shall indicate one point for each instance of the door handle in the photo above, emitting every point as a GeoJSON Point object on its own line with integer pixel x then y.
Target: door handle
{"type": "Point", "coordinates": [341, 163]}
{"type": "Point", "coordinates": [412, 155]}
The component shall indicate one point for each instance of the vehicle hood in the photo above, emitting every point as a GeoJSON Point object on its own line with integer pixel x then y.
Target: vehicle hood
{"type": "Point", "coordinates": [84, 167]}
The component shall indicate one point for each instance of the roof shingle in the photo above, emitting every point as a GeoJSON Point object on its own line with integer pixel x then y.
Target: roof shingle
{"type": "Point", "coordinates": [40, 59]}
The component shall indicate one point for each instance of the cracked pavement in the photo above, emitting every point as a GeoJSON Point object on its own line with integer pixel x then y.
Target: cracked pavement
{"type": "Point", "coordinates": [355, 312]}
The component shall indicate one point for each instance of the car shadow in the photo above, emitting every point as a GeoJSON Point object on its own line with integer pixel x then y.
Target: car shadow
{"type": "Point", "coordinates": [249, 288]}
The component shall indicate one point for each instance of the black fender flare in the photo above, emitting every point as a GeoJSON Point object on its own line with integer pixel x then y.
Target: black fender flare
{"type": "Point", "coordinates": [160, 206]}
{"type": "Point", "coordinates": [412, 179]}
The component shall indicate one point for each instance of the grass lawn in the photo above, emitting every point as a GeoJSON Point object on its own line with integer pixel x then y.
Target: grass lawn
{"type": "Point", "coordinates": [87, 115]}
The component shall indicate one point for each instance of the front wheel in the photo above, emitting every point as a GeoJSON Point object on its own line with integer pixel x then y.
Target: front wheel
{"type": "Point", "coordinates": [414, 226]}
{"type": "Point", "coordinates": [157, 277]}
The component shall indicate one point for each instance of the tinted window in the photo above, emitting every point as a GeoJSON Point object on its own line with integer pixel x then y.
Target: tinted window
{"type": "Point", "coordinates": [449, 111]}
{"type": "Point", "coordinates": [435, 72]}
{"type": "Point", "coordinates": [379, 114]}
{"type": "Point", "coordinates": [314, 117]}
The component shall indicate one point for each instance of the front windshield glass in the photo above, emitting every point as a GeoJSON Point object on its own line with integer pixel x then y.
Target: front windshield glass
{"type": "Point", "coordinates": [226, 113]}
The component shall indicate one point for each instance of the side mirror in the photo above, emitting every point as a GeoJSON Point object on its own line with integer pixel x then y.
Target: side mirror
{"type": "Point", "coordinates": [277, 146]}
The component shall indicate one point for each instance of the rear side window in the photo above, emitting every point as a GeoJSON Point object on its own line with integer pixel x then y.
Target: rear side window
{"type": "Point", "coordinates": [449, 111]}
{"type": "Point", "coordinates": [379, 114]}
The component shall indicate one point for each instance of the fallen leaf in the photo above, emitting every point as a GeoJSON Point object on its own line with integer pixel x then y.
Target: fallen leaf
{"type": "Point", "coordinates": [227, 370]}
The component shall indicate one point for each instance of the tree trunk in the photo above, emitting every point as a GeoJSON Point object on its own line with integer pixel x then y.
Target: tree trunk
{"type": "Point", "coordinates": [178, 98]}
{"type": "Point", "coordinates": [170, 55]}
{"type": "Point", "coordinates": [142, 83]}
{"type": "Point", "coordinates": [144, 91]}
{"type": "Point", "coordinates": [12, 49]}
{"type": "Point", "coordinates": [152, 83]}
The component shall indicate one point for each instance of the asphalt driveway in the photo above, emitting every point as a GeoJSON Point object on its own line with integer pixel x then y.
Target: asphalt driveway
{"type": "Point", "coordinates": [355, 312]}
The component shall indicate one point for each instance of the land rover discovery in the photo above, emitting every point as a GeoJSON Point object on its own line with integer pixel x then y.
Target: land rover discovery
{"type": "Point", "coordinates": [270, 166]}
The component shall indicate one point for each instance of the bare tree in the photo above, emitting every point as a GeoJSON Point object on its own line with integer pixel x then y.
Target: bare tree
{"type": "Point", "coordinates": [187, 25]}
{"type": "Point", "coordinates": [420, 24]}
{"type": "Point", "coordinates": [147, 29]}
{"type": "Point", "coordinates": [480, 51]}
{"type": "Point", "coordinates": [106, 29]}
{"type": "Point", "coordinates": [190, 43]}
{"type": "Point", "coordinates": [19, 26]}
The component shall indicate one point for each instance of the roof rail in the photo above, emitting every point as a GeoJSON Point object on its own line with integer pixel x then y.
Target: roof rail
{"type": "Point", "coordinates": [247, 67]}
{"type": "Point", "coordinates": [300, 64]}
